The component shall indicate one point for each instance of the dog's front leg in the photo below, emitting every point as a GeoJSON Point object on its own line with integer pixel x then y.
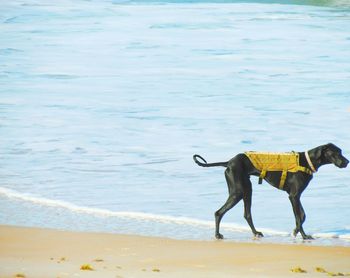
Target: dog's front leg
{"type": "Point", "coordinates": [300, 216]}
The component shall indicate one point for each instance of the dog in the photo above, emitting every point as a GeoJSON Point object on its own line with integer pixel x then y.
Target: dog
{"type": "Point", "coordinates": [241, 167]}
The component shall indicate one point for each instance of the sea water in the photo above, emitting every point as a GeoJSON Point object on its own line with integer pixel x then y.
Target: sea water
{"type": "Point", "coordinates": [103, 104]}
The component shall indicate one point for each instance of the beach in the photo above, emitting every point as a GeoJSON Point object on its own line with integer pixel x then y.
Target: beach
{"type": "Point", "coordinates": [39, 253]}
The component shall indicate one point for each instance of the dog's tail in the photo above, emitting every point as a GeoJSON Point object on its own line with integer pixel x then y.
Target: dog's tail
{"type": "Point", "coordinates": [206, 164]}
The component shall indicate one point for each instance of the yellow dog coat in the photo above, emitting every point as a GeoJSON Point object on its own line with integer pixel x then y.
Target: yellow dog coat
{"type": "Point", "coordinates": [280, 162]}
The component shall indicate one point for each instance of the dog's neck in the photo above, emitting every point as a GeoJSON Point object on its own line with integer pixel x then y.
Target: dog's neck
{"type": "Point", "coordinates": [316, 157]}
{"type": "Point", "coordinates": [304, 162]}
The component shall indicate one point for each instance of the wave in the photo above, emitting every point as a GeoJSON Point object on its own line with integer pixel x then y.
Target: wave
{"type": "Point", "coordinates": [139, 216]}
{"type": "Point", "coordinates": [149, 217]}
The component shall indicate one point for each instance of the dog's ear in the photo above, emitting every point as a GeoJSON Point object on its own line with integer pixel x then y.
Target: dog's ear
{"type": "Point", "coordinates": [327, 146]}
{"type": "Point", "coordinates": [332, 147]}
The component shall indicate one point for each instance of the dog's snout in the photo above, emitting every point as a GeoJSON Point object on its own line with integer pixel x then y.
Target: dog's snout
{"type": "Point", "coordinates": [344, 162]}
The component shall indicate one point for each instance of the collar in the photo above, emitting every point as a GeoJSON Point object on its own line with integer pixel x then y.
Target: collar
{"type": "Point", "coordinates": [310, 162]}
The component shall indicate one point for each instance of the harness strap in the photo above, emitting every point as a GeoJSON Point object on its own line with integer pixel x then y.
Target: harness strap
{"type": "Point", "coordinates": [285, 172]}
{"type": "Point", "coordinates": [262, 176]}
{"type": "Point", "coordinates": [283, 179]}
{"type": "Point", "coordinates": [305, 170]}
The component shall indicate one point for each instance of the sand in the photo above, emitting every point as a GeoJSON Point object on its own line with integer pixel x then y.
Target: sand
{"type": "Point", "coordinates": [34, 252]}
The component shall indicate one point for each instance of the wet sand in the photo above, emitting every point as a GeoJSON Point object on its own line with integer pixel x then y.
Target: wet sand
{"type": "Point", "coordinates": [34, 252]}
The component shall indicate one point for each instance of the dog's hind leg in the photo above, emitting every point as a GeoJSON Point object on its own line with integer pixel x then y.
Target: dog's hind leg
{"type": "Point", "coordinates": [247, 198]}
{"type": "Point", "coordinates": [232, 200]}
{"type": "Point", "coordinates": [234, 197]}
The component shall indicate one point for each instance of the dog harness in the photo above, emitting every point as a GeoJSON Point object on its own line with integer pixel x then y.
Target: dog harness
{"type": "Point", "coordinates": [276, 162]}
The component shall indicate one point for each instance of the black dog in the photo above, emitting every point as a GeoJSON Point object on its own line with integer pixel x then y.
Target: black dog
{"type": "Point", "coordinates": [240, 168]}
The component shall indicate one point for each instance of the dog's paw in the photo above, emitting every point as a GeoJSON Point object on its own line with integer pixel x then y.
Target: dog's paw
{"type": "Point", "coordinates": [307, 237]}
{"type": "Point", "coordinates": [219, 236]}
{"type": "Point", "coordinates": [258, 234]}
{"type": "Point", "coordinates": [295, 232]}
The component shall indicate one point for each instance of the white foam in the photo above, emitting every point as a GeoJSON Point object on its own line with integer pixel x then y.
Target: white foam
{"type": "Point", "coordinates": [140, 216]}
{"type": "Point", "coordinates": [326, 235]}
{"type": "Point", "coordinates": [331, 235]}
{"type": "Point", "coordinates": [345, 237]}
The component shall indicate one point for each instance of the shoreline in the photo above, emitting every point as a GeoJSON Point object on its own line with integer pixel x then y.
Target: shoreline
{"type": "Point", "coordinates": [39, 252]}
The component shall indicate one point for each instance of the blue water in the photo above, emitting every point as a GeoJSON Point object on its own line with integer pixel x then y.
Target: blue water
{"type": "Point", "coordinates": [103, 104]}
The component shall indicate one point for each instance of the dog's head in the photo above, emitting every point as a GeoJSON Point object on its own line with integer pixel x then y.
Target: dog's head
{"type": "Point", "coordinates": [332, 154]}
